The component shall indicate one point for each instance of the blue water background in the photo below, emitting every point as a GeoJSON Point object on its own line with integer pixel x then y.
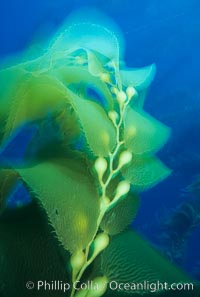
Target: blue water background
{"type": "Point", "coordinates": [164, 32]}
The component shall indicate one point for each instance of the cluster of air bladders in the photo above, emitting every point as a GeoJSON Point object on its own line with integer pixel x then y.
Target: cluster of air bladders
{"type": "Point", "coordinates": [88, 183]}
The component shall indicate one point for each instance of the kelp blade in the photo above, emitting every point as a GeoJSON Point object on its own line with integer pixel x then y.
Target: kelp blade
{"type": "Point", "coordinates": [75, 76]}
{"type": "Point", "coordinates": [143, 133]}
{"type": "Point", "coordinates": [139, 78]}
{"type": "Point", "coordinates": [85, 29]}
{"type": "Point", "coordinates": [33, 99]}
{"type": "Point", "coordinates": [121, 215]}
{"type": "Point", "coordinates": [94, 120]}
{"type": "Point", "coordinates": [68, 195]}
{"type": "Point", "coordinates": [145, 172]}
{"type": "Point", "coordinates": [130, 259]}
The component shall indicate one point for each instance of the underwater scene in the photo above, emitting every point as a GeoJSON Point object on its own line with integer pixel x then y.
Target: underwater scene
{"type": "Point", "coordinates": [99, 148]}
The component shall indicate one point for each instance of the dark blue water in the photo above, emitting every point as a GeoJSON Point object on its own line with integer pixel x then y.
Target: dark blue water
{"type": "Point", "coordinates": [166, 33]}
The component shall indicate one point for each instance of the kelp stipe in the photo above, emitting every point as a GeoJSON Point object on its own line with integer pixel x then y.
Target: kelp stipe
{"type": "Point", "coordinates": [89, 195]}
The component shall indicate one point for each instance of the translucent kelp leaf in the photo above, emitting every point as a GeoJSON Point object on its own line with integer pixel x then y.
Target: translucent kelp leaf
{"type": "Point", "coordinates": [8, 179]}
{"type": "Point", "coordinates": [121, 215]}
{"type": "Point", "coordinates": [33, 99]}
{"type": "Point", "coordinates": [85, 29]}
{"type": "Point", "coordinates": [145, 172]}
{"type": "Point", "coordinates": [139, 78]}
{"type": "Point", "coordinates": [143, 133]}
{"type": "Point", "coordinates": [138, 102]}
{"type": "Point", "coordinates": [34, 58]}
{"type": "Point", "coordinates": [95, 66]}
{"type": "Point", "coordinates": [130, 259]}
{"type": "Point", "coordinates": [98, 129]}
{"type": "Point", "coordinates": [95, 62]}
{"type": "Point", "coordinates": [81, 77]}
{"type": "Point", "coordinates": [8, 79]}
{"type": "Point", "coordinates": [68, 195]}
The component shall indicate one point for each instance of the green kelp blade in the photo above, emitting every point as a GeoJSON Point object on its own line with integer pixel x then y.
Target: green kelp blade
{"type": "Point", "coordinates": [9, 78]}
{"type": "Point", "coordinates": [130, 259]}
{"type": "Point", "coordinates": [95, 67]}
{"type": "Point", "coordinates": [121, 215]}
{"type": "Point", "coordinates": [138, 102]}
{"type": "Point", "coordinates": [139, 78]}
{"type": "Point", "coordinates": [94, 61]}
{"type": "Point", "coordinates": [80, 76]}
{"type": "Point", "coordinates": [8, 179]}
{"type": "Point", "coordinates": [68, 195]}
{"type": "Point", "coordinates": [144, 172]}
{"type": "Point", "coordinates": [143, 133]}
{"type": "Point", "coordinates": [97, 127]}
{"type": "Point", "coordinates": [98, 66]}
{"type": "Point", "coordinates": [33, 99]}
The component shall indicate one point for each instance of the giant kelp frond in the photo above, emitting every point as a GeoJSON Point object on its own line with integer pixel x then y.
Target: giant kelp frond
{"type": "Point", "coordinates": [79, 83]}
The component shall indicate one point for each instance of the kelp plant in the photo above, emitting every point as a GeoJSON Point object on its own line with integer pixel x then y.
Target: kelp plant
{"type": "Point", "coordinates": [88, 183]}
